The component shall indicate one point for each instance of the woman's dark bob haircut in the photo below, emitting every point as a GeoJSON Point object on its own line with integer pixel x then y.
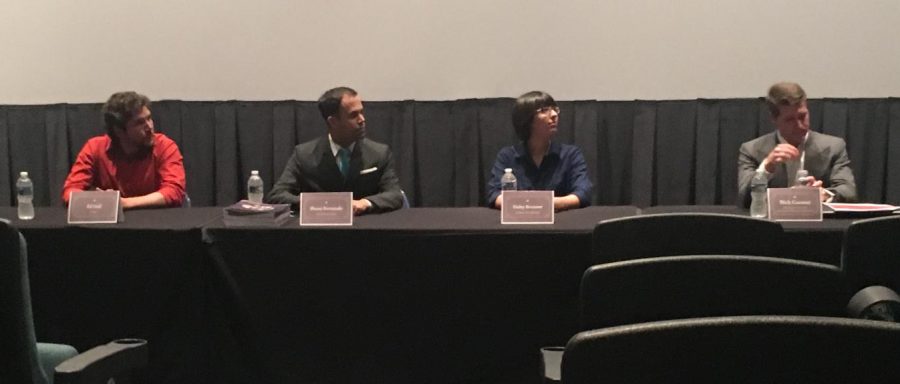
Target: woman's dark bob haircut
{"type": "Point", "coordinates": [526, 107]}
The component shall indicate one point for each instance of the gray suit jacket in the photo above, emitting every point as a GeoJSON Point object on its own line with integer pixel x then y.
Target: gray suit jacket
{"type": "Point", "coordinates": [312, 168]}
{"type": "Point", "coordinates": [826, 160]}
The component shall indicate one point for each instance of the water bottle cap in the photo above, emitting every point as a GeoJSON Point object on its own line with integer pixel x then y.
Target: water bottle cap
{"type": "Point", "coordinates": [254, 173]}
{"type": "Point", "coordinates": [23, 174]}
{"type": "Point", "coordinates": [508, 170]}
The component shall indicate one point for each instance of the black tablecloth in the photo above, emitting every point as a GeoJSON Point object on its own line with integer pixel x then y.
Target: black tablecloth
{"type": "Point", "coordinates": [416, 295]}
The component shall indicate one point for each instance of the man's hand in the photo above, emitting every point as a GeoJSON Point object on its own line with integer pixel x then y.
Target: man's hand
{"type": "Point", "coordinates": [780, 154]}
{"type": "Point", "coordinates": [125, 202]}
{"type": "Point", "coordinates": [361, 206]}
{"type": "Point", "coordinates": [824, 195]}
{"type": "Point", "coordinates": [153, 199]}
{"type": "Point", "coordinates": [810, 181]}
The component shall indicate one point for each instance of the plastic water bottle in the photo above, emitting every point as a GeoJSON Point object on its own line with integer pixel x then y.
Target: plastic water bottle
{"type": "Point", "coordinates": [759, 206]}
{"type": "Point", "coordinates": [255, 187]}
{"type": "Point", "coordinates": [25, 196]}
{"type": "Point", "coordinates": [508, 181]}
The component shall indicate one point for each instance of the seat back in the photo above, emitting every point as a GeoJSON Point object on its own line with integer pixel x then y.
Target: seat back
{"type": "Point", "coordinates": [670, 234]}
{"type": "Point", "coordinates": [871, 254]}
{"type": "Point", "coordinates": [741, 349]}
{"type": "Point", "coordinates": [677, 287]}
{"type": "Point", "coordinates": [18, 345]}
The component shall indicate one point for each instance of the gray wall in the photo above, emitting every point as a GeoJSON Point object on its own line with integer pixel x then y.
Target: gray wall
{"type": "Point", "coordinates": [81, 51]}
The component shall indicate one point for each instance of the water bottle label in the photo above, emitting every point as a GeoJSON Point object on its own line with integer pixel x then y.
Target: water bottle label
{"type": "Point", "coordinates": [254, 189]}
{"type": "Point", "coordinates": [25, 191]}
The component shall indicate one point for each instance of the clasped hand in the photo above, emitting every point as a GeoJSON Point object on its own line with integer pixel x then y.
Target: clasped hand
{"type": "Point", "coordinates": [783, 153]}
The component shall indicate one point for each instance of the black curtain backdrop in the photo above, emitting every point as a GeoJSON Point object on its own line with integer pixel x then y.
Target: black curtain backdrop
{"type": "Point", "coordinates": [643, 153]}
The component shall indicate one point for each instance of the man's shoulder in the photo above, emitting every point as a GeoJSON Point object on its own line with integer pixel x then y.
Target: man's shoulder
{"type": "Point", "coordinates": [98, 141]}
{"type": "Point", "coordinates": [309, 146]}
{"type": "Point", "coordinates": [768, 138]}
{"type": "Point", "coordinates": [96, 145]}
{"type": "Point", "coordinates": [162, 139]}
{"type": "Point", "coordinates": [826, 139]}
{"type": "Point", "coordinates": [373, 146]}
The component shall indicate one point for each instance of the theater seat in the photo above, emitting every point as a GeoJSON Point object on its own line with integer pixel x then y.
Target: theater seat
{"type": "Point", "coordinates": [24, 361]}
{"type": "Point", "coordinates": [740, 349]}
{"type": "Point", "coordinates": [669, 234]}
{"type": "Point", "coordinates": [871, 254]}
{"type": "Point", "coordinates": [677, 287]}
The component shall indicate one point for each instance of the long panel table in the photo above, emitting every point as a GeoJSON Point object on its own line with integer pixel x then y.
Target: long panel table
{"type": "Point", "coordinates": [416, 295]}
{"type": "Point", "coordinates": [424, 294]}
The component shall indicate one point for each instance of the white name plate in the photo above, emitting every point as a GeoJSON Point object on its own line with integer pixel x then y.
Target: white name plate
{"type": "Point", "coordinates": [527, 207]}
{"type": "Point", "coordinates": [795, 204]}
{"type": "Point", "coordinates": [326, 208]}
{"type": "Point", "coordinates": [95, 207]}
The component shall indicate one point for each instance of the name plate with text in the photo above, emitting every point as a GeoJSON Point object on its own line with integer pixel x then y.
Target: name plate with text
{"type": "Point", "coordinates": [795, 204]}
{"type": "Point", "coordinates": [326, 208]}
{"type": "Point", "coordinates": [527, 207]}
{"type": "Point", "coordinates": [95, 207]}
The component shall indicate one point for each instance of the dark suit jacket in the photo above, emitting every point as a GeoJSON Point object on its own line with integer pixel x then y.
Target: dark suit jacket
{"type": "Point", "coordinates": [312, 168]}
{"type": "Point", "coordinates": [826, 160]}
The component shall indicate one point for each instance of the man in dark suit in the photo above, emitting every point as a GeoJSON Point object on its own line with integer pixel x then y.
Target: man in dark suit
{"type": "Point", "coordinates": [342, 161]}
{"type": "Point", "coordinates": [793, 148]}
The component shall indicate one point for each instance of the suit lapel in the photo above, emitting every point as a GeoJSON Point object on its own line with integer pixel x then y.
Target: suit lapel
{"type": "Point", "coordinates": [815, 156]}
{"type": "Point", "coordinates": [779, 180]}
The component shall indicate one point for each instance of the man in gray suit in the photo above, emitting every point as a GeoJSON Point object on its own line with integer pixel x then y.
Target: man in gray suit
{"type": "Point", "coordinates": [792, 148]}
{"type": "Point", "coordinates": [342, 161]}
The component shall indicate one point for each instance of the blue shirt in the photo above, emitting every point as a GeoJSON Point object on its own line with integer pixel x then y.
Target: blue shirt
{"type": "Point", "coordinates": [563, 171]}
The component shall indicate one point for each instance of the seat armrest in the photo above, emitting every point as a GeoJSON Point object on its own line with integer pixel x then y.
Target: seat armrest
{"type": "Point", "coordinates": [101, 363]}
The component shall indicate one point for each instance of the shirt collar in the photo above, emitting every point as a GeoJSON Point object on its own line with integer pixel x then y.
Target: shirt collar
{"type": "Point", "coordinates": [335, 147]}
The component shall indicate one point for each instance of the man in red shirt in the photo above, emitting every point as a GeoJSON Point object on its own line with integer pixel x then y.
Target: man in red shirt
{"type": "Point", "coordinates": [144, 166]}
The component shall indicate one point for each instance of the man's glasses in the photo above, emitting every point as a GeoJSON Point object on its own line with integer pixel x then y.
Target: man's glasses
{"type": "Point", "coordinates": [548, 109]}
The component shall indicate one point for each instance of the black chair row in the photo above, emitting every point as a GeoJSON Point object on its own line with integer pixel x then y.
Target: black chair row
{"type": "Point", "coordinates": [699, 298]}
{"type": "Point", "coordinates": [870, 255]}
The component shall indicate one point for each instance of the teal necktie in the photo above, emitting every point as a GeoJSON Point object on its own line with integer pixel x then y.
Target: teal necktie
{"type": "Point", "coordinates": [344, 158]}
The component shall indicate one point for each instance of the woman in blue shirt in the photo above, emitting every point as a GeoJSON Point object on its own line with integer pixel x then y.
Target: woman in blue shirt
{"type": "Point", "coordinates": [538, 162]}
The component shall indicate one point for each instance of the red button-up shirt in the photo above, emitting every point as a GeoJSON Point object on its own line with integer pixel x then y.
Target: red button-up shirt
{"type": "Point", "coordinates": [101, 165]}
